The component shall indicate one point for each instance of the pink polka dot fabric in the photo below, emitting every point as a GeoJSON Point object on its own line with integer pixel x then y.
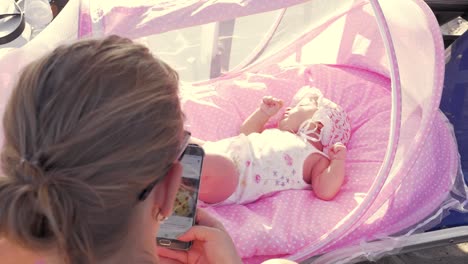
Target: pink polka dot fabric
{"type": "Point", "coordinates": [290, 220]}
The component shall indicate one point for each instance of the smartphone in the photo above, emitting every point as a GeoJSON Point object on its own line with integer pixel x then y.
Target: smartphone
{"type": "Point", "coordinates": [185, 205]}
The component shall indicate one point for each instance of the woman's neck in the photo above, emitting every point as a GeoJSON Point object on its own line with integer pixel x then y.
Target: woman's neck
{"type": "Point", "coordinates": [137, 256]}
{"type": "Point", "coordinates": [140, 245]}
{"type": "Point", "coordinates": [11, 253]}
{"type": "Point", "coordinates": [140, 248]}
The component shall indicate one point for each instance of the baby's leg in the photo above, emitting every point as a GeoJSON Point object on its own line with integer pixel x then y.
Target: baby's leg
{"type": "Point", "coordinates": [219, 178]}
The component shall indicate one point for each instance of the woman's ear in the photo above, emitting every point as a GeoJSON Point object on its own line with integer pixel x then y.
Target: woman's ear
{"type": "Point", "coordinates": [166, 190]}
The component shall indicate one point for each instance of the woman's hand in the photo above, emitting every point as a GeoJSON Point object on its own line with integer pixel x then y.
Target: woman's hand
{"type": "Point", "coordinates": [211, 244]}
{"type": "Point", "coordinates": [271, 105]}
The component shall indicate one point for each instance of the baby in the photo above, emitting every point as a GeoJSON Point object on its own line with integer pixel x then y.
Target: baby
{"type": "Point", "coordinates": [305, 151]}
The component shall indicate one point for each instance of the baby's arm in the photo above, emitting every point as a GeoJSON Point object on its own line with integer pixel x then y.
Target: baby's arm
{"type": "Point", "coordinates": [257, 120]}
{"type": "Point", "coordinates": [328, 176]}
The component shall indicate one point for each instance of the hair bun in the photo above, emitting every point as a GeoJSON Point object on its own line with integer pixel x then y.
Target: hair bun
{"type": "Point", "coordinates": [38, 210]}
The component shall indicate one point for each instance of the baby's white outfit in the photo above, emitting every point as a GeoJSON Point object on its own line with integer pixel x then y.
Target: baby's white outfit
{"type": "Point", "coordinates": [267, 162]}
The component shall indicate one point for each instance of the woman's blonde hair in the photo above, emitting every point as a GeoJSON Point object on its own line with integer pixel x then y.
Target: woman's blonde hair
{"type": "Point", "coordinates": [87, 128]}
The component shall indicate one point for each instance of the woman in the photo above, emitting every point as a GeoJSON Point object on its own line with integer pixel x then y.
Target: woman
{"type": "Point", "coordinates": [88, 129]}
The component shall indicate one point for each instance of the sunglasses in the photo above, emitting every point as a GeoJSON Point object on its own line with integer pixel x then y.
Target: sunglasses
{"type": "Point", "coordinates": [144, 194]}
{"type": "Point", "coordinates": [4, 39]}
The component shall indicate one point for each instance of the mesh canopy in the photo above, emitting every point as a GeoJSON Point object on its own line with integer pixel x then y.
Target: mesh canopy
{"type": "Point", "coordinates": [395, 45]}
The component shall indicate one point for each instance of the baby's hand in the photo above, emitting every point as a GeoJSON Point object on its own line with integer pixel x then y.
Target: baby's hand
{"type": "Point", "coordinates": [337, 152]}
{"type": "Point", "coordinates": [271, 105]}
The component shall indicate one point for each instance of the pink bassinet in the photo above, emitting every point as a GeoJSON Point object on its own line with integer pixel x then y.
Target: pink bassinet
{"type": "Point", "coordinates": [381, 60]}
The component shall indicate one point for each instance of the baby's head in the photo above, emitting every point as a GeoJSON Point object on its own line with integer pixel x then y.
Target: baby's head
{"type": "Point", "coordinates": [317, 118]}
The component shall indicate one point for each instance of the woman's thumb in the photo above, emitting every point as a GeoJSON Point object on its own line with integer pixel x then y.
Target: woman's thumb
{"type": "Point", "coordinates": [199, 233]}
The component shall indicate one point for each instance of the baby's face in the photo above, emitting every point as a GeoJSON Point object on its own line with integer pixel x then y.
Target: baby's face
{"type": "Point", "coordinates": [295, 116]}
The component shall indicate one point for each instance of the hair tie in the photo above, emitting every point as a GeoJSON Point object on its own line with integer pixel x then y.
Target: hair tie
{"type": "Point", "coordinates": [31, 173]}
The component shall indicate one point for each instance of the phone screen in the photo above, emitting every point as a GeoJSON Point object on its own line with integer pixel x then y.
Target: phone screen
{"type": "Point", "coordinates": [185, 204]}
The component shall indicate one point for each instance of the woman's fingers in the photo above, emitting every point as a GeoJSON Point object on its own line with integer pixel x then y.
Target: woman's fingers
{"type": "Point", "coordinates": [202, 234]}
{"type": "Point", "coordinates": [207, 228]}
{"type": "Point", "coordinates": [178, 255]}
{"type": "Point", "coordinates": [205, 219]}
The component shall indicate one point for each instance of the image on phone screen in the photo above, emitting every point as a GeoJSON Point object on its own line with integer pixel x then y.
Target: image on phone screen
{"type": "Point", "coordinates": [183, 216]}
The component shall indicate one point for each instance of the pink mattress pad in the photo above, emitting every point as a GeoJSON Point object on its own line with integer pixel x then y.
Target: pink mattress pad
{"type": "Point", "coordinates": [289, 220]}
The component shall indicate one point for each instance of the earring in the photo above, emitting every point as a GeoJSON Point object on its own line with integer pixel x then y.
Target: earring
{"type": "Point", "coordinates": [157, 216]}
